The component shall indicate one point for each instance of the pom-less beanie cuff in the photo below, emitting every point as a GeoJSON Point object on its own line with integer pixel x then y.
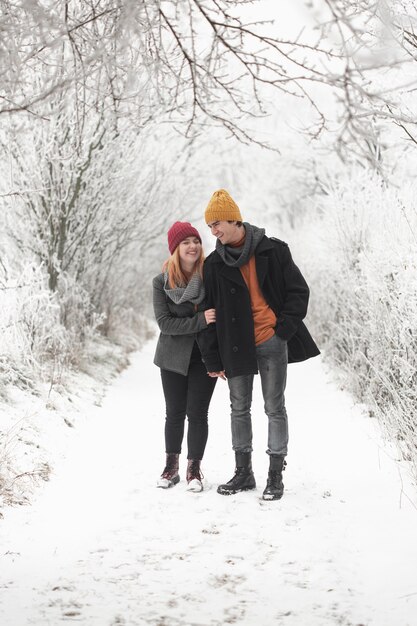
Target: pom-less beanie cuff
{"type": "Point", "coordinates": [222, 207]}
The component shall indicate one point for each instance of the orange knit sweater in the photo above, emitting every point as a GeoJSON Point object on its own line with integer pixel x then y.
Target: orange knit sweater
{"type": "Point", "coordinates": [264, 318]}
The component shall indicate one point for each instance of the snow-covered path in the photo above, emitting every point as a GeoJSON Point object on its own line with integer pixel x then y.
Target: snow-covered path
{"type": "Point", "coordinates": [101, 546]}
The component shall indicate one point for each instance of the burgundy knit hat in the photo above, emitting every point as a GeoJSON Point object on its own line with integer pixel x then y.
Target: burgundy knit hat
{"type": "Point", "coordinates": [180, 231]}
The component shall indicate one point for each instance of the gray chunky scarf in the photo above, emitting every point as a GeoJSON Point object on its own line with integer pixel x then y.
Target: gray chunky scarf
{"type": "Point", "coordinates": [236, 257]}
{"type": "Point", "coordinates": [192, 292]}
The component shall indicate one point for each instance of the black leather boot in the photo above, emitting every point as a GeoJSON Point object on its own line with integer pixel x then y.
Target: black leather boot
{"type": "Point", "coordinates": [243, 480]}
{"type": "Point", "coordinates": [274, 486]}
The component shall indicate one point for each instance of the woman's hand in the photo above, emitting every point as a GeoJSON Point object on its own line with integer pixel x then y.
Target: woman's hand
{"type": "Point", "coordinates": [210, 316]}
{"type": "Point", "coordinates": [221, 375]}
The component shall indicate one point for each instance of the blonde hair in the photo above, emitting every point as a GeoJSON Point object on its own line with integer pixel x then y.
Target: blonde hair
{"type": "Point", "coordinates": [176, 277]}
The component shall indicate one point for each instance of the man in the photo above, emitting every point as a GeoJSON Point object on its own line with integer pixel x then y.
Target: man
{"type": "Point", "coordinates": [261, 298]}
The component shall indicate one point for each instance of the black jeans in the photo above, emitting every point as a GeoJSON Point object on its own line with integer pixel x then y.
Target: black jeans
{"type": "Point", "coordinates": [187, 395]}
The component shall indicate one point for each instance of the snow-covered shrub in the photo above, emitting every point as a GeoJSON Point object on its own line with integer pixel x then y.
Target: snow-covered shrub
{"type": "Point", "coordinates": [128, 328]}
{"type": "Point", "coordinates": [77, 316]}
{"type": "Point", "coordinates": [19, 473]}
{"type": "Point", "coordinates": [42, 332]}
{"type": "Point", "coordinates": [29, 321]}
{"type": "Point", "coordinates": [360, 257]}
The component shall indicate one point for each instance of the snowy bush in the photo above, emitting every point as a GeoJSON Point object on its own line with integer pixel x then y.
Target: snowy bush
{"type": "Point", "coordinates": [19, 472]}
{"type": "Point", "coordinates": [42, 332]}
{"type": "Point", "coordinates": [77, 315]}
{"type": "Point", "coordinates": [361, 262]}
{"type": "Point", "coordinates": [29, 322]}
{"type": "Point", "coordinates": [129, 328]}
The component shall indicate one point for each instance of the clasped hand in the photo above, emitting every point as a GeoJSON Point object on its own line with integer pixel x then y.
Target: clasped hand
{"type": "Point", "coordinates": [210, 315]}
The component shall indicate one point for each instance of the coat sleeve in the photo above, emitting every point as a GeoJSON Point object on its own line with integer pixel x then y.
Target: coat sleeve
{"type": "Point", "coordinates": [168, 323]}
{"type": "Point", "coordinates": [296, 296]}
{"type": "Point", "coordinates": [207, 339]}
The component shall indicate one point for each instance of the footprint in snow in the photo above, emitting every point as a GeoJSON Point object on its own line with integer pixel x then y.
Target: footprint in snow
{"type": "Point", "coordinates": [227, 581]}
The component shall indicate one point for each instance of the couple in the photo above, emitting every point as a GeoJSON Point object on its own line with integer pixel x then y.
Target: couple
{"type": "Point", "coordinates": [235, 314]}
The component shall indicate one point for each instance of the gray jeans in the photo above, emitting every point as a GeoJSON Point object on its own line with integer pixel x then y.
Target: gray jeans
{"type": "Point", "coordinates": [272, 356]}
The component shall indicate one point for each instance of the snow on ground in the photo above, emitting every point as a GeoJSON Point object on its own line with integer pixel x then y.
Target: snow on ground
{"type": "Point", "coordinates": [39, 420]}
{"type": "Point", "coordinates": [101, 546]}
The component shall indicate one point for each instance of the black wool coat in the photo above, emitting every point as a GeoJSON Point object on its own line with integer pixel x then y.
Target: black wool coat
{"type": "Point", "coordinates": [230, 343]}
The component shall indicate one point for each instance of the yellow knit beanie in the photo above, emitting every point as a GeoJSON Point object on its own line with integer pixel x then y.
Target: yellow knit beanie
{"type": "Point", "coordinates": [222, 207]}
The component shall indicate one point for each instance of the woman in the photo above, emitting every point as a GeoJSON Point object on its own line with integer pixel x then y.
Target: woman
{"type": "Point", "coordinates": [178, 299]}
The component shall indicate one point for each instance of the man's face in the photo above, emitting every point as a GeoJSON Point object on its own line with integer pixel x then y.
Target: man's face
{"type": "Point", "coordinates": [226, 232]}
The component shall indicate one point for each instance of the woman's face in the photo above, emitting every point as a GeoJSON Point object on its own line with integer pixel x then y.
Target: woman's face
{"type": "Point", "coordinates": [190, 250]}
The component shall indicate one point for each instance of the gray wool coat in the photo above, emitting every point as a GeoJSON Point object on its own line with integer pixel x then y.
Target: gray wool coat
{"type": "Point", "coordinates": [180, 326]}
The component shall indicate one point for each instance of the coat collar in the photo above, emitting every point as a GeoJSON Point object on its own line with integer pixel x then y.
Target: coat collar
{"type": "Point", "coordinates": [263, 245]}
{"type": "Point", "coordinates": [235, 275]}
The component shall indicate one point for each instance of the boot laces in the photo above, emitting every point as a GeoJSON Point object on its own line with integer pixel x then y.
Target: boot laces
{"type": "Point", "coordinates": [193, 471]}
{"type": "Point", "coordinates": [274, 476]}
{"type": "Point", "coordinates": [238, 472]}
{"type": "Point", "coordinates": [171, 468]}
